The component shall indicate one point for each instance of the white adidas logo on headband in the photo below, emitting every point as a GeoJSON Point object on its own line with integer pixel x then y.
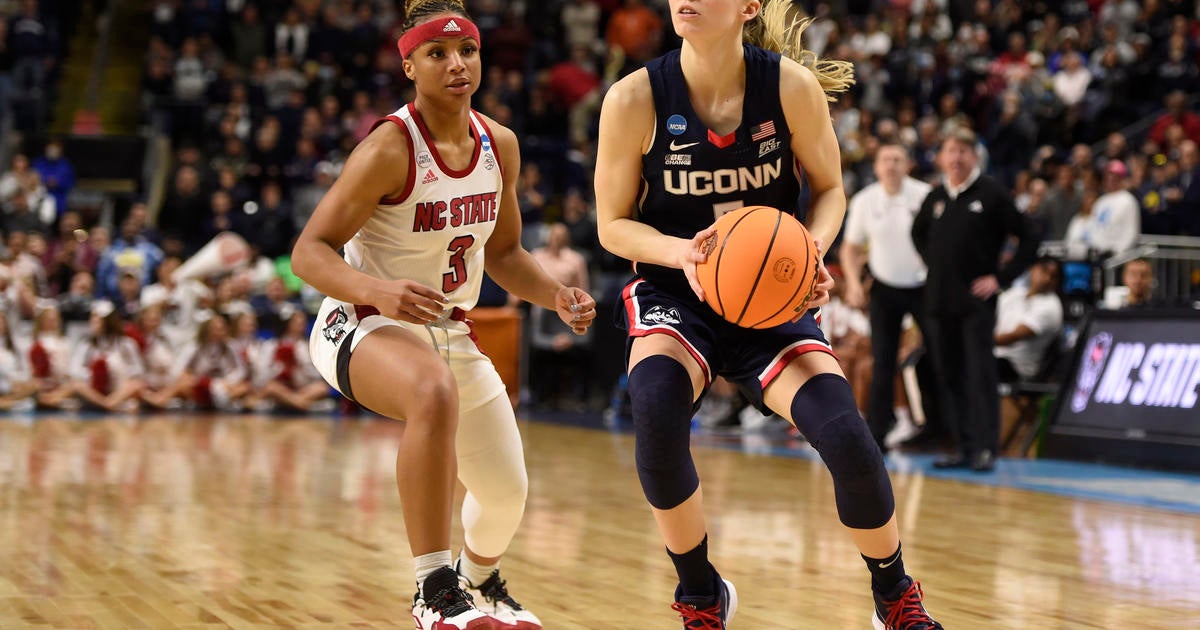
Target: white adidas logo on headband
{"type": "Point", "coordinates": [451, 27]}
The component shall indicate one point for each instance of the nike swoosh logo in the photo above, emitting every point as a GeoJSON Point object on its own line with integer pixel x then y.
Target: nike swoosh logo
{"type": "Point", "coordinates": [884, 566]}
{"type": "Point", "coordinates": [680, 147]}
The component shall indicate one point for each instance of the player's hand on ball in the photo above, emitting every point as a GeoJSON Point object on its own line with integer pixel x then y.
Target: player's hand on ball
{"type": "Point", "coordinates": [694, 252]}
{"type": "Point", "coordinates": [408, 301]}
{"type": "Point", "coordinates": [824, 285]}
{"type": "Point", "coordinates": [576, 308]}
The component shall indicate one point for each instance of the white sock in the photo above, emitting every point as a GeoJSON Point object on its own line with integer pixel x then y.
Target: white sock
{"type": "Point", "coordinates": [476, 574]}
{"type": "Point", "coordinates": [902, 416]}
{"type": "Point", "coordinates": [429, 563]}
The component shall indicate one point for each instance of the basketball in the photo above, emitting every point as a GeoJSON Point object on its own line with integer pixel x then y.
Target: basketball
{"type": "Point", "coordinates": [761, 268]}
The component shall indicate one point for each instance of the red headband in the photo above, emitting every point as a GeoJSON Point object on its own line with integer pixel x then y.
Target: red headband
{"type": "Point", "coordinates": [443, 27]}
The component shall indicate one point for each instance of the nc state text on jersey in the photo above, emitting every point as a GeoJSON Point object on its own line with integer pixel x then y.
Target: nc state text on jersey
{"type": "Point", "coordinates": [431, 216]}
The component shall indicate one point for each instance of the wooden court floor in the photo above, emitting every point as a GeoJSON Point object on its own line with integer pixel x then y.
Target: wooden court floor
{"type": "Point", "coordinates": [252, 522]}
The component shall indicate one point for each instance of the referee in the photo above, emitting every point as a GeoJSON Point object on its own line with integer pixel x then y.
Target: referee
{"type": "Point", "coordinates": [878, 219]}
{"type": "Point", "coordinates": [960, 231]}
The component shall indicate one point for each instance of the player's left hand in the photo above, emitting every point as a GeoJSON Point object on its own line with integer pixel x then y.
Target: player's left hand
{"type": "Point", "coordinates": [820, 295]}
{"type": "Point", "coordinates": [576, 308]}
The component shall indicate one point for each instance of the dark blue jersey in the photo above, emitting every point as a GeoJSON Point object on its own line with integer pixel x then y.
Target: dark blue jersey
{"type": "Point", "coordinates": [691, 176]}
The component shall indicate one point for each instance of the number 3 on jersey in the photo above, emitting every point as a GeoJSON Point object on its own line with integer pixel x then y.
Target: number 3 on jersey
{"type": "Point", "coordinates": [457, 275]}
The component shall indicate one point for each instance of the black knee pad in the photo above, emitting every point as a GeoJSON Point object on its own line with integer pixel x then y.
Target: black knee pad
{"type": "Point", "coordinates": [660, 393]}
{"type": "Point", "coordinates": [825, 411]}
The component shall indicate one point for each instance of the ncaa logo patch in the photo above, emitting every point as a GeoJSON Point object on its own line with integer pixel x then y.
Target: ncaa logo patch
{"type": "Point", "coordinates": [661, 315]}
{"type": "Point", "coordinates": [676, 125]}
{"type": "Point", "coordinates": [486, 142]}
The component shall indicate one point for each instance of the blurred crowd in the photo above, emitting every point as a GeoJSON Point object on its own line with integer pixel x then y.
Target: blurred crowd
{"type": "Point", "coordinates": [263, 102]}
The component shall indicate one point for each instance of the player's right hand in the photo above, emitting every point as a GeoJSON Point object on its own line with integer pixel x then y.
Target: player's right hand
{"type": "Point", "coordinates": [694, 252]}
{"type": "Point", "coordinates": [408, 301]}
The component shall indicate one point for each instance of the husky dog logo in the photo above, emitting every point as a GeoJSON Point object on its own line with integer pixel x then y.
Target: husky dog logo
{"type": "Point", "coordinates": [1095, 354]}
{"type": "Point", "coordinates": [335, 325]}
{"type": "Point", "coordinates": [661, 315]}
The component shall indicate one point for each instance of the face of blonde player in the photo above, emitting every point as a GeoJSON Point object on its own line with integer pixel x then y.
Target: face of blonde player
{"type": "Point", "coordinates": [445, 70]}
{"type": "Point", "coordinates": [698, 20]}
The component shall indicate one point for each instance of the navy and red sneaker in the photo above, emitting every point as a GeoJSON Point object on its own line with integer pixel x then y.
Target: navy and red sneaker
{"type": "Point", "coordinates": [902, 609]}
{"type": "Point", "coordinates": [707, 613]}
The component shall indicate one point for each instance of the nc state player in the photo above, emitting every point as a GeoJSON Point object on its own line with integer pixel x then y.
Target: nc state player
{"type": "Point", "coordinates": [424, 204]}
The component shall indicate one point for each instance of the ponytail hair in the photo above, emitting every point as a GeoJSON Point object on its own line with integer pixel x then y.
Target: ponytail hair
{"type": "Point", "coordinates": [778, 28]}
{"type": "Point", "coordinates": [417, 11]}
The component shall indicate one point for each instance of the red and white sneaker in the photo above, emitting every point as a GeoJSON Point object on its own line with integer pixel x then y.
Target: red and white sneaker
{"type": "Point", "coordinates": [493, 599]}
{"type": "Point", "coordinates": [707, 613]}
{"type": "Point", "coordinates": [446, 606]}
{"type": "Point", "coordinates": [902, 609]}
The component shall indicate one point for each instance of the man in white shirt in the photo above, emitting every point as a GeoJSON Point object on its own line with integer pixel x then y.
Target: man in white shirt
{"type": "Point", "coordinates": [878, 225]}
{"type": "Point", "coordinates": [1116, 217]}
{"type": "Point", "coordinates": [1028, 319]}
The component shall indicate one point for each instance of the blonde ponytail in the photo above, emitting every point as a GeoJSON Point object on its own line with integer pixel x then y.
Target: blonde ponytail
{"type": "Point", "coordinates": [778, 27]}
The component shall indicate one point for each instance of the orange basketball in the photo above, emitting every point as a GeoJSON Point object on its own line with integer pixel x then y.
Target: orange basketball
{"type": "Point", "coordinates": [761, 267]}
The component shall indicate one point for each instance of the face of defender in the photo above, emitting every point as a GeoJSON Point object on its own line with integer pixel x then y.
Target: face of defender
{"type": "Point", "coordinates": [445, 67]}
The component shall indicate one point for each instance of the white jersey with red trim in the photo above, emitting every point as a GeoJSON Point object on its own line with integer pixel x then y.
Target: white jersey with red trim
{"type": "Point", "coordinates": [434, 232]}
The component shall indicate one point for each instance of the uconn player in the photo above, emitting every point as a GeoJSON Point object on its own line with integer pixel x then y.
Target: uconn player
{"type": "Point", "coordinates": [425, 203]}
{"type": "Point", "coordinates": [717, 125]}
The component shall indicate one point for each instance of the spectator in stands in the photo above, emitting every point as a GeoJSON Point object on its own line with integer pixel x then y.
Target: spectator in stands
{"type": "Point", "coordinates": [181, 301]}
{"type": "Point", "coordinates": [16, 385]}
{"type": "Point", "coordinates": [290, 377]}
{"type": "Point", "coordinates": [33, 48]}
{"type": "Point", "coordinates": [128, 299]}
{"type": "Point", "coordinates": [106, 366]}
{"type": "Point", "coordinates": [76, 304]}
{"type": "Point", "coordinates": [248, 36]}
{"type": "Point", "coordinates": [13, 179]}
{"type": "Point", "coordinates": [58, 176]}
{"type": "Point", "coordinates": [273, 305]}
{"type": "Point", "coordinates": [6, 67]}
{"type": "Point", "coordinates": [636, 30]}
{"type": "Point", "coordinates": [1187, 206]}
{"type": "Point", "coordinates": [267, 226]}
{"type": "Point", "coordinates": [248, 346]}
{"type": "Point", "coordinates": [129, 252]}
{"type": "Point", "coordinates": [213, 376]}
{"type": "Point", "coordinates": [291, 35]}
{"type": "Point", "coordinates": [1079, 238]}
{"type": "Point", "coordinates": [49, 358]}
{"type": "Point", "coordinates": [309, 195]}
{"type": "Point", "coordinates": [159, 356]}
{"type": "Point", "coordinates": [1028, 320]}
{"type": "Point", "coordinates": [1177, 114]}
{"type": "Point", "coordinates": [184, 211]}
{"type": "Point", "coordinates": [1116, 218]}
{"type": "Point", "coordinates": [1156, 195]}
{"type": "Point", "coordinates": [581, 22]}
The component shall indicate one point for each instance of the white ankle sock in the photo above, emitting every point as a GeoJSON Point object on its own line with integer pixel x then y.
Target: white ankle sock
{"type": "Point", "coordinates": [476, 574]}
{"type": "Point", "coordinates": [429, 563]}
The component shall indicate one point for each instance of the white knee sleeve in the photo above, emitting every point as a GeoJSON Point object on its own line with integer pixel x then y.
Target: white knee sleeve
{"type": "Point", "coordinates": [491, 464]}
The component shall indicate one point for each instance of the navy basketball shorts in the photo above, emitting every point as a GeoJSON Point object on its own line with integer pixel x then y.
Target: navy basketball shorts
{"type": "Point", "coordinates": [750, 358]}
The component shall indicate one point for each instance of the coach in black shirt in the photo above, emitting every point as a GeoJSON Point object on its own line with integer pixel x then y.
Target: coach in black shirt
{"type": "Point", "coordinates": [960, 231]}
